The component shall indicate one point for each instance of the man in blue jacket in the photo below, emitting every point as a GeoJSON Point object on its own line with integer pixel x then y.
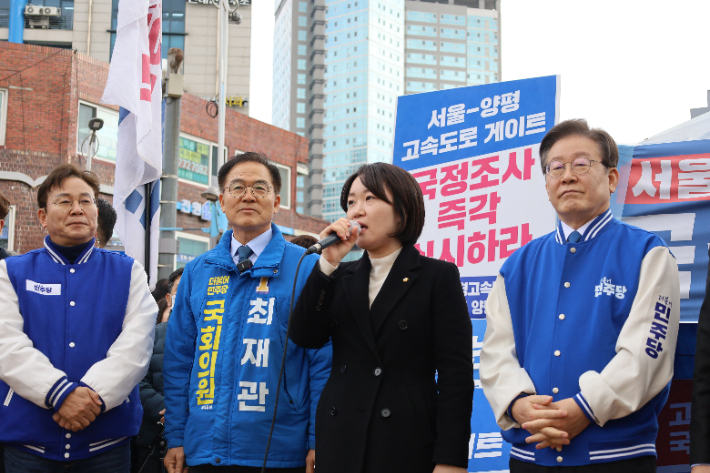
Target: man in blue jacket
{"type": "Point", "coordinates": [76, 335]}
{"type": "Point", "coordinates": [582, 324]}
{"type": "Point", "coordinates": [225, 342]}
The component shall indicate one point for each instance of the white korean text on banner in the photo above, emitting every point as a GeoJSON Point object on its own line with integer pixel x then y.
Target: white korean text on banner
{"type": "Point", "coordinates": [133, 84]}
{"type": "Point", "coordinates": [474, 152]}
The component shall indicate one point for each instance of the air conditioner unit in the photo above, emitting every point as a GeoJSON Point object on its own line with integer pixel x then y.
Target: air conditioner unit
{"type": "Point", "coordinates": [33, 10]}
{"type": "Point", "coordinates": [51, 11]}
{"type": "Point", "coordinates": [38, 22]}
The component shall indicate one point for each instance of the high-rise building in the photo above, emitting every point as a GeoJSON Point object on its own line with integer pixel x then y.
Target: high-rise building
{"type": "Point", "coordinates": [451, 43]}
{"type": "Point", "coordinates": [89, 26]}
{"type": "Point", "coordinates": [339, 66]}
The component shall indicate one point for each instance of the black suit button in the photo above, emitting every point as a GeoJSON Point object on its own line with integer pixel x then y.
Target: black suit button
{"type": "Point", "coordinates": [343, 369]}
{"type": "Point", "coordinates": [217, 460]}
{"type": "Point", "coordinates": [403, 325]}
{"type": "Point", "coordinates": [386, 412]}
{"type": "Point", "coordinates": [333, 410]}
{"type": "Point", "coordinates": [378, 371]}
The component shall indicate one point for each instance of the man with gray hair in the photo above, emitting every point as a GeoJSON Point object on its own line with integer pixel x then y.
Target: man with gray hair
{"type": "Point", "coordinates": [582, 324]}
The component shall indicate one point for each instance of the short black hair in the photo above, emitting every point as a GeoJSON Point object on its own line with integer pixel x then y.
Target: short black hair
{"type": "Point", "coordinates": [4, 207]}
{"type": "Point", "coordinates": [175, 275]}
{"type": "Point", "coordinates": [56, 178]}
{"type": "Point", "coordinates": [407, 198]}
{"type": "Point", "coordinates": [579, 127]}
{"type": "Point", "coordinates": [162, 287]}
{"type": "Point", "coordinates": [106, 220]}
{"type": "Point", "coordinates": [250, 157]}
{"type": "Point", "coordinates": [306, 241]}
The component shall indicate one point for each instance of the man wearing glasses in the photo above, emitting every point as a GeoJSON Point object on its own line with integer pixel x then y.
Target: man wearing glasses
{"type": "Point", "coordinates": [76, 337]}
{"type": "Point", "coordinates": [225, 340]}
{"type": "Point", "coordinates": [582, 324]}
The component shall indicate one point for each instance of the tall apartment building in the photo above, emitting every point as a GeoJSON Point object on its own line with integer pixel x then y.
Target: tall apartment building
{"type": "Point", "coordinates": [339, 66]}
{"type": "Point", "coordinates": [451, 43]}
{"type": "Point", "coordinates": [89, 27]}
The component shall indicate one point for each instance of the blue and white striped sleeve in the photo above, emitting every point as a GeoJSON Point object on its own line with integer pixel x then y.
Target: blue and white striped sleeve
{"type": "Point", "coordinates": [25, 369]}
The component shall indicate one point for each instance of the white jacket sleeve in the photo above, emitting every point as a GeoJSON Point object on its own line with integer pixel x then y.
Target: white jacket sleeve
{"type": "Point", "coordinates": [22, 367]}
{"type": "Point", "coordinates": [126, 362]}
{"type": "Point", "coordinates": [645, 349]}
{"type": "Point", "coordinates": [502, 377]}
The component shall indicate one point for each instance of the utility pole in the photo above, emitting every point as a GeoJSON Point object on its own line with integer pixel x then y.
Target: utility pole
{"type": "Point", "coordinates": [225, 15]}
{"type": "Point", "coordinates": [172, 93]}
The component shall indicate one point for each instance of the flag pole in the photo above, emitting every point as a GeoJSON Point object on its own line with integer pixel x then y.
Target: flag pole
{"type": "Point", "coordinates": [148, 215]}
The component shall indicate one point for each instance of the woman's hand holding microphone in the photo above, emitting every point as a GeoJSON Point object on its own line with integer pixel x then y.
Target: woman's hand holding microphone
{"type": "Point", "coordinates": [347, 231]}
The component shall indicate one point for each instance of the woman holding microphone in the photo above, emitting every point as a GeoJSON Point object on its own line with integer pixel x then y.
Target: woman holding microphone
{"type": "Point", "coordinates": [397, 319]}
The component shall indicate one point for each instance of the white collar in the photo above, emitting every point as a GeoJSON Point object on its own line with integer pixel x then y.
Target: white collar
{"type": "Point", "coordinates": [257, 245]}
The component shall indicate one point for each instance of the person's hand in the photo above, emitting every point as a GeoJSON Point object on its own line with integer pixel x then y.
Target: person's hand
{"type": "Point", "coordinates": [78, 410]}
{"type": "Point", "coordinates": [700, 469]}
{"type": "Point", "coordinates": [162, 419]}
{"type": "Point", "coordinates": [449, 469]}
{"type": "Point", "coordinates": [311, 461]}
{"type": "Point", "coordinates": [540, 409]}
{"type": "Point", "coordinates": [551, 431]}
{"type": "Point", "coordinates": [337, 251]}
{"type": "Point", "coordinates": [175, 460]}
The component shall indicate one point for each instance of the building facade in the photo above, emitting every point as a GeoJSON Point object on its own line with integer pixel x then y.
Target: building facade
{"type": "Point", "coordinates": [89, 27]}
{"type": "Point", "coordinates": [47, 96]}
{"type": "Point", "coordinates": [451, 43]}
{"type": "Point", "coordinates": [339, 66]}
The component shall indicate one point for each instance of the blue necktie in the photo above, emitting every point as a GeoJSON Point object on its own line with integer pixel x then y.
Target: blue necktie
{"type": "Point", "coordinates": [244, 252]}
{"type": "Point", "coordinates": [573, 237]}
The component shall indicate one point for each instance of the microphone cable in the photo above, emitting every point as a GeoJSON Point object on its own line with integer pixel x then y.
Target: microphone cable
{"type": "Point", "coordinates": [283, 363]}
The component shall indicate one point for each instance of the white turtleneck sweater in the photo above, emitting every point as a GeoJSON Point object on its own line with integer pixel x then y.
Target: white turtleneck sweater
{"type": "Point", "coordinates": [380, 269]}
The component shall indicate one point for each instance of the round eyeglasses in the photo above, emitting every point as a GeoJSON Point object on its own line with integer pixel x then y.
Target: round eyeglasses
{"type": "Point", "coordinates": [259, 189]}
{"type": "Point", "coordinates": [579, 166]}
{"type": "Point", "coordinates": [65, 204]}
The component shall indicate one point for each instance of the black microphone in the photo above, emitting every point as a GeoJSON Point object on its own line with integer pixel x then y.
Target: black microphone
{"type": "Point", "coordinates": [244, 266]}
{"type": "Point", "coordinates": [330, 239]}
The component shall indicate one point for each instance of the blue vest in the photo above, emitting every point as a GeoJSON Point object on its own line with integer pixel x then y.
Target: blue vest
{"type": "Point", "coordinates": [73, 313]}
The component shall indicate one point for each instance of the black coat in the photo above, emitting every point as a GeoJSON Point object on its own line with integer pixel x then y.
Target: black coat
{"type": "Point", "coordinates": [382, 409]}
{"type": "Point", "coordinates": [151, 391]}
{"type": "Point", "coordinates": [700, 407]}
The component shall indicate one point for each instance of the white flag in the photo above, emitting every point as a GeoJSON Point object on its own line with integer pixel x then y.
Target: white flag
{"type": "Point", "coordinates": [133, 84]}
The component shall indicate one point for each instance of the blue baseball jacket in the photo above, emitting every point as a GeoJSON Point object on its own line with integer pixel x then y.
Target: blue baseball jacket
{"type": "Point", "coordinates": [222, 358]}
{"type": "Point", "coordinates": [595, 321]}
{"type": "Point", "coordinates": [66, 325]}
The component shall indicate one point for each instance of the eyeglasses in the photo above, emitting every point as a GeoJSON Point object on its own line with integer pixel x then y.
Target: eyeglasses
{"type": "Point", "coordinates": [259, 189]}
{"type": "Point", "coordinates": [579, 166]}
{"type": "Point", "coordinates": [65, 205]}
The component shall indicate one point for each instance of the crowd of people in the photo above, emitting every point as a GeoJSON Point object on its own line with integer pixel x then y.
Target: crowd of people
{"type": "Point", "coordinates": [98, 374]}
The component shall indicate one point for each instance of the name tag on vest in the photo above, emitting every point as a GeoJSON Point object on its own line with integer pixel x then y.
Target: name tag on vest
{"type": "Point", "coordinates": [44, 289]}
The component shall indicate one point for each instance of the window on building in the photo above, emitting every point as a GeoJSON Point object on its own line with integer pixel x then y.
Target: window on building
{"type": "Point", "coordinates": [7, 236]}
{"type": "Point", "coordinates": [300, 122]}
{"type": "Point", "coordinates": [301, 79]}
{"type": "Point", "coordinates": [285, 186]}
{"type": "Point", "coordinates": [301, 49]}
{"type": "Point", "coordinates": [301, 65]}
{"type": "Point", "coordinates": [107, 135]}
{"type": "Point", "coordinates": [302, 21]}
{"type": "Point", "coordinates": [300, 93]}
{"type": "Point", "coordinates": [189, 248]}
{"type": "Point", "coordinates": [302, 35]}
{"type": "Point", "coordinates": [303, 7]}
{"type": "Point", "coordinates": [63, 22]}
{"type": "Point", "coordinates": [300, 107]}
